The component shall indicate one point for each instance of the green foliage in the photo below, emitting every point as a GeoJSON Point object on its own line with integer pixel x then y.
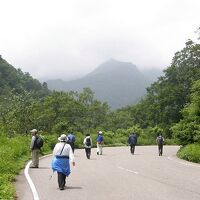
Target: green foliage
{"type": "Point", "coordinates": [15, 80]}
{"type": "Point", "coordinates": [190, 152]}
{"type": "Point", "coordinates": [79, 140]}
{"type": "Point", "coordinates": [13, 153]}
{"type": "Point", "coordinates": [187, 131]}
{"type": "Point", "coordinates": [57, 112]}
{"type": "Point", "coordinates": [166, 97]}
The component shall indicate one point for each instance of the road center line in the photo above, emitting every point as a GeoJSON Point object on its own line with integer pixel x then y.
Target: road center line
{"type": "Point", "coordinates": [128, 170]}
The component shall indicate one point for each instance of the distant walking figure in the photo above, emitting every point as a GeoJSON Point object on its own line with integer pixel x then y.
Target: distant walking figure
{"type": "Point", "coordinates": [71, 140]}
{"type": "Point", "coordinates": [62, 154]}
{"type": "Point", "coordinates": [88, 145]}
{"type": "Point", "coordinates": [132, 140]}
{"type": "Point", "coordinates": [100, 142]}
{"type": "Point", "coordinates": [160, 141]}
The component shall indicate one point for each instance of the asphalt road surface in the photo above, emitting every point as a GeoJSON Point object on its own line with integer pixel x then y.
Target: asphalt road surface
{"type": "Point", "coordinates": [118, 175]}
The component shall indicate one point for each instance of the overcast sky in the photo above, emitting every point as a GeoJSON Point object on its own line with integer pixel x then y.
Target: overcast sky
{"type": "Point", "coordinates": [66, 38]}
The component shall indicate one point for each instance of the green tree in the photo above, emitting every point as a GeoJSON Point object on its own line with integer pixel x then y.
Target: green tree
{"type": "Point", "coordinates": [188, 129]}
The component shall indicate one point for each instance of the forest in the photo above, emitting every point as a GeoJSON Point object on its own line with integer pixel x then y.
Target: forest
{"type": "Point", "coordinates": [171, 107]}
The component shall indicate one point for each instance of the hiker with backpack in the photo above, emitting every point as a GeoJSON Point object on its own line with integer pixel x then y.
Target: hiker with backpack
{"type": "Point", "coordinates": [71, 140]}
{"type": "Point", "coordinates": [62, 156]}
{"type": "Point", "coordinates": [88, 145]}
{"type": "Point", "coordinates": [100, 142]}
{"type": "Point", "coordinates": [132, 140]}
{"type": "Point", "coordinates": [36, 144]}
{"type": "Point", "coordinates": [160, 141]}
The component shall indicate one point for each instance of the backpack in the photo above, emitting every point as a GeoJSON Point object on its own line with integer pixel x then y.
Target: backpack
{"type": "Point", "coordinates": [71, 138]}
{"type": "Point", "coordinates": [133, 139]}
{"type": "Point", "coordinates": [160, 140]}
{"type": "Point", "coordinates": [39, 142]}
{"type": "Point", "coordinates": [88, 142]}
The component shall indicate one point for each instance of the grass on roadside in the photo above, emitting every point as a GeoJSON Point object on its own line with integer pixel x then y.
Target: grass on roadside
{"type": "Point", "coordinates": [190, 152]}
{"type": "Point", "coordinates": [14, 152]}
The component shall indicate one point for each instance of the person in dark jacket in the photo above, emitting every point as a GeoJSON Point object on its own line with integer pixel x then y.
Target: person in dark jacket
{"type": "Point", "coordinates": [160, 141]}
{"type": "Point", "coordinates": [132, 140]}
{"type": "Point", "coordinates": [71, 140]}
{"type": "Point", "coordinates": [35, 150]}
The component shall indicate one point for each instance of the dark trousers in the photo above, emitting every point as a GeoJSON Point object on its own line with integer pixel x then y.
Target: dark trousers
{"type": "Point", "coordinates": [132, 148]}
{"type": "Point", "coordinates": [72, 145]}
{"type": "Point", "coordinates": [61, 180]}
{"type": "Point", "coordinates": [88, 152]}
{"type": "Point", "coordinates": [160, 149]}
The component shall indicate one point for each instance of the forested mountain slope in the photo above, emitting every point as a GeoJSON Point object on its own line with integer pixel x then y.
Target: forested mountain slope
{"type": "Point", "coordinates": [15, 81]}
{"type": "Point", "coordinates": [166, 98]}
{"type": "Point", "coordinates": [118, 83]}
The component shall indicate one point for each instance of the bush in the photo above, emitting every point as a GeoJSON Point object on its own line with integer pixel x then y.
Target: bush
{"type": "Point", "coordinates": [190, 152]}
{"type": "Point", "coordinates": [13, 153]}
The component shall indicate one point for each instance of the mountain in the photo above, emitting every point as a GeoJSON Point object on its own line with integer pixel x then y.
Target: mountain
{"type": "Point", "coordinates": [152, 74]}
{"type": "Point", "coordinates": [118, 83]}
{"type": "Point", "coordinates": [15, 81]}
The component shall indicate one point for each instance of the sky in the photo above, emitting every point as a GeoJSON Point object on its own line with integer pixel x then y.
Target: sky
{"type": "Point", "coordinates": [66, 39]}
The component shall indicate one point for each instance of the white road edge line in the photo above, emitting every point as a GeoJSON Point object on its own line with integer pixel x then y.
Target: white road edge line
{"type": "Point", "coordinates": [30, 182]}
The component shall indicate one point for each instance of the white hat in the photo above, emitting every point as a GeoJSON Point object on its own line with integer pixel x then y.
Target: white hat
{"type": "Point", "coordinates": [100, 132]}
{"type": "Point", "coordinates": [34, 131]}
{"type": "Point", "coordinates": [63, 138]}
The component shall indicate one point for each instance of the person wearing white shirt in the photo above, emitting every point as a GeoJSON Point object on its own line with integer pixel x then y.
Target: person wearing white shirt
{"type": "Point", "coordinates": [88, 145]}
{"type": "Point", "coordinates": [62, 155]}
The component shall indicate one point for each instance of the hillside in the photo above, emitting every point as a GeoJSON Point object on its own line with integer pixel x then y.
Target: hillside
{"type": "Point", "coordinates": [118, 83]}
{"type": "Point", "coordinates": [12, 79]}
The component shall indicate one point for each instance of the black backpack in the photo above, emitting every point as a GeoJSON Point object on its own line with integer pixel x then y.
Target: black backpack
{"type": "Point", "coordinates": [88, 142]}
{"type": "Point", "coordinates": [160, 140]}
{"type": "Point", "coordinates": [133, 139]}
{"type": "Point", "coordinates": [39, 142]}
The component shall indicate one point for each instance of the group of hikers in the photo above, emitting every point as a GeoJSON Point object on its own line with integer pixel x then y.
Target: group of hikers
{"type": "Point", "coordinates": [132, 140]}
{"type": "Point", "coordinates": [63, 151]}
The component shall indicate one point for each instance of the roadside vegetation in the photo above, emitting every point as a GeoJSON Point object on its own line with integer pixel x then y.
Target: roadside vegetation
{"type": "Point", "coordinates": [190, 153]}
{"type": "Point", "coordinates": [14, 153]}
{"type": "Point", "coordinates": [171, 106]}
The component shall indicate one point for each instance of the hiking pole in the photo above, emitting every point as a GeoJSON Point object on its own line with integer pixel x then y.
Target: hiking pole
{"type": "Point", "coordinates": [51, 176]}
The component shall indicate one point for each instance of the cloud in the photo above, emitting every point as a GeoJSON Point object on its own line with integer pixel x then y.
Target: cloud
{"type": "Point", "coordinates": [63, 39]}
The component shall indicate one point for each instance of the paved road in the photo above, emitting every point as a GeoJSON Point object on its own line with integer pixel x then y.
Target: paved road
{"type": "Point", "coordinates": [118, 175]}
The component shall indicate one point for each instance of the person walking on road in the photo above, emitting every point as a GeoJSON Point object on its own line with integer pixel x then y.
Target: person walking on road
{"type": "Point", "coordinates": [100, 142]}
{"type": "Point", "coordinates": [88, 145]}
{"type": "Point", "coordinates": [160, 141]}
{"type": "Point", "coordinates": [35, 150]}
{"type": "Point", "coordinates": [132, 140]}
{"type": "Point", "coordinates": [71, 140]}
{"type": "Point", "coordinates": [62, 155]}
